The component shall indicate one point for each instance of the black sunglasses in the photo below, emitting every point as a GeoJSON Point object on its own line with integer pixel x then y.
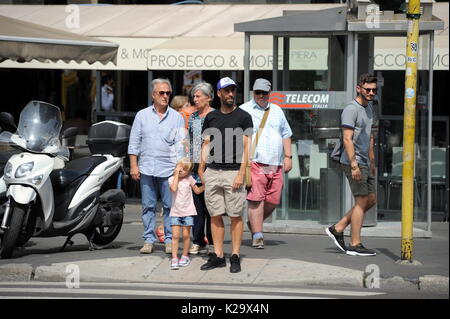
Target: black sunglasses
{"type": "Point", "coordinates": [369, 89]}
{"type": "Point", "coordinates": [260, 92]}
{"type": "Point", "coordinates": [161, 93]}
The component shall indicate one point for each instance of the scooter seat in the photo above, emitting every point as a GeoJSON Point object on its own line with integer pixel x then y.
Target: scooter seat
{"type": "Point", "coordinates": [63, 177]}
{"type": "Point", "coordinates": [67, 180]}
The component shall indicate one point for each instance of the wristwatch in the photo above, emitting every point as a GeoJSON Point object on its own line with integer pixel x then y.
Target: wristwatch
{"type": "Point", "coordinates": [354, 168]}
{"type": "Point", "coordinates": [288, 156]}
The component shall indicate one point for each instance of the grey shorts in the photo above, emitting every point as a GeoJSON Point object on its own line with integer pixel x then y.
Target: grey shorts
{"type": "Point", "coordinates": [363, 187]}
{"type": "Point", "coordinates": [220, 198]}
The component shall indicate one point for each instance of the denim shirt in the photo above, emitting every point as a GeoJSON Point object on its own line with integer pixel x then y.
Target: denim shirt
{"type": "Point", "coordinates": [158, 142]}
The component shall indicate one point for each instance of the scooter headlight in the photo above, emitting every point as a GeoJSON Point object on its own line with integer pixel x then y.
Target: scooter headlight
{"type": "Point", "coordinates": [24, 170]}
{"type": "Point", "coordinates": [8, 170]}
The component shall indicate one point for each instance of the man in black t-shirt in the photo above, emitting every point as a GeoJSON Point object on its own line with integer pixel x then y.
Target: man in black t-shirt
{"type": "Point", "coordinates": [227, 135]}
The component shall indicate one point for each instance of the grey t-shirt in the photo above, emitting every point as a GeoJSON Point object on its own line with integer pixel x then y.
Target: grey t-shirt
{"type": "Point", "coordinates": [360, 119]}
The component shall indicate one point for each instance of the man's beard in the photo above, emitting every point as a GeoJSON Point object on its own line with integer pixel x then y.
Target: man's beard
{"type": "Point", "coordinates": [226, 103]}
{"type": "Point", "coordinates": [366, 99]}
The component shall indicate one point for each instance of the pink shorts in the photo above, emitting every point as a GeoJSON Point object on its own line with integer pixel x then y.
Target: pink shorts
{"type": "Point", "coordinates": [267, 183]}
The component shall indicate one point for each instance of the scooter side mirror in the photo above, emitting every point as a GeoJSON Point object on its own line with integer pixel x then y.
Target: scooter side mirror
{"type": "Point", "coordinates": [7, 118]}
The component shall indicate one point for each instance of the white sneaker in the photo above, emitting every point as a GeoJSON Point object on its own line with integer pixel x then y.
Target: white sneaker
{"type": "Point", "coordinates": [194, 249]}
{"type": "Point", "coordinates": [184, 261]}
{"type": "Point", "coordinates": [174, 264]}
{"type": "Point", "coordinates": [146, 249]}
{"type": "Point", "coordinates": [168, 248]}
{"type": "Point", "coordinates": [258, 243]}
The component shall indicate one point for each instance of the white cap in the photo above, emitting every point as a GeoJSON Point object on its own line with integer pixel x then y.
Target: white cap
{"type": "Point", "coordinates": [224, 82]}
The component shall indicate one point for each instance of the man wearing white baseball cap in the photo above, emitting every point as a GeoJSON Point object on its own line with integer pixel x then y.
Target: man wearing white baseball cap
{"type": "Point", "coordinates": [226, 133]}
{"type": "Point", "coordinates": [270, 157]}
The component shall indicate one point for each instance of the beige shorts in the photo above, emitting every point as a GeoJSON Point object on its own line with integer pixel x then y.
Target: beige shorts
{"type": "Point", "coordinates": [220, 198]}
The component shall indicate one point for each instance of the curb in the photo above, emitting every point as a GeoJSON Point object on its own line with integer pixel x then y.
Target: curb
{"type": "Point", "coordinates": [262, 272]}
{"type": "Point", "coordinates": [427, 283]}
{"type": "Point", "coordinates": [265, 272]}
{"type": "Point", "coordinates": [16, 272]}
{"type": "Point", "coordinates": [434, 283]}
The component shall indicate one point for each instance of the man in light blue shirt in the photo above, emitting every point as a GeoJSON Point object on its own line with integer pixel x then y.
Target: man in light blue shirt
{"type": "Point", "coordinates": [271, 157]}
{"type": "Point", "coordinates": [156, 145]}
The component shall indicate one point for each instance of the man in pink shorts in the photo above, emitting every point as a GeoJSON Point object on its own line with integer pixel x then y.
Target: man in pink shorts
{"type": "Point", "coordinates": [271, 158]}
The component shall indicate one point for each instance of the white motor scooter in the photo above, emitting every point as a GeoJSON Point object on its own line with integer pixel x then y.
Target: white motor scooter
{"type": "Point", "coordinates": [46, 198]}
{"type": "Point", "coordinates": [68, 138]}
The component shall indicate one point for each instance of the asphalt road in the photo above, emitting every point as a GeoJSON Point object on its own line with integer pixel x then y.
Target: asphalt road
{"type": "Point", "coordinates": [60, 290]}
{"type": "Point", "coordinates": [433, 254]}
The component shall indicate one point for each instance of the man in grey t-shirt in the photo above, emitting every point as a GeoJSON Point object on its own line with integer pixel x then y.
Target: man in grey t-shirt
{"type": "Point", "coordinates": [358, 164]}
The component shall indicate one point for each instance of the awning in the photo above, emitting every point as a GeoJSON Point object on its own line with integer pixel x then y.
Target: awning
{"type": "Point", "coordinates": [150, 37]}
{"type": "Point", "coordinates": [23, 41]}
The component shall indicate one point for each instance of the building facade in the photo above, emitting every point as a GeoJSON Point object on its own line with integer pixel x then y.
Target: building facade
{"type": "Point", "coordinates": [208, 48]}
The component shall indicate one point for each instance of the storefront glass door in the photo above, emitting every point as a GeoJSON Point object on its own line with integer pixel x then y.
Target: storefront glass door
{"type": "Point", "coordinates": [315, 125]}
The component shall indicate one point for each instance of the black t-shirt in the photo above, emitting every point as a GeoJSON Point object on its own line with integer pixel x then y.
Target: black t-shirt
{"type": "Point", "coordinates": [226, 133]}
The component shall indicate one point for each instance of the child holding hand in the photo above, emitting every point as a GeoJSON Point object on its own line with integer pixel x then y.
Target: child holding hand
{"type": "Point", "coordinates": [183, 209]}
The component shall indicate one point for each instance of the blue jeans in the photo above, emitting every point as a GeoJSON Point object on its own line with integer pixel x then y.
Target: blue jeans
{"type": "Point", "coordinates": [151, 188]}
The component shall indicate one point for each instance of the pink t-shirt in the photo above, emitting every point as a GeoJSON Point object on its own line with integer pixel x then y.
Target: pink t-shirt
{"type": "Point", "coordinates": [182, 200]}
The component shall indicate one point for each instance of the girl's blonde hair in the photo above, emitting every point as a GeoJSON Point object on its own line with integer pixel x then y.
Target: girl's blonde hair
{"type": "Point", "coordinates": [178, 102]}
{"type": "Point", "coordinates": [187, 164]}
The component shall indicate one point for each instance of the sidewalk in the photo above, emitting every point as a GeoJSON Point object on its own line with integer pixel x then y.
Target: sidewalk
{"type": "Point", "coordinates": [288, 259]}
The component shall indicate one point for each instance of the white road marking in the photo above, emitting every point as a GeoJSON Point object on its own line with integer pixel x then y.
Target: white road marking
{"type": "Point", "coordinates": [149, 293]}
{"type": "Point", "coordinates": [158, 290]}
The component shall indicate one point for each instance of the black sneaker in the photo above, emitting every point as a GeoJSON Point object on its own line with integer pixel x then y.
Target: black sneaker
{"type": "Point", "coordinates": [214, 262]}
{"type": "Point", "coordinates": [337, 237]}
{"type": "Point", "coordinates": [235, 264]}
{"type": "Point", "coordinates": [360, 250]}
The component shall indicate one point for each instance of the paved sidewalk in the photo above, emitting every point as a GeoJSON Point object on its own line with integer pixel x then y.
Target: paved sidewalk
{"type": "Point", "coordinates": [288, 259]}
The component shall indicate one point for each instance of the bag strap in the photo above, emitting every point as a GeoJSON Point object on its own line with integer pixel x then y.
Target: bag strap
{"type": "Point", "coordinates": [259, 132]}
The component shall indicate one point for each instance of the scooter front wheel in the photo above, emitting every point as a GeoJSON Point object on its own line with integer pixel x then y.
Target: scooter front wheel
{"type": "Point", "coordinates": [103, 235]}
{"type": "Point", "coordinates": [11, 234]}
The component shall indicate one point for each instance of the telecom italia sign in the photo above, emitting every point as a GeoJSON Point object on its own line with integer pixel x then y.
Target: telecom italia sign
{"type": "Point", "coordinates": [304, 99]}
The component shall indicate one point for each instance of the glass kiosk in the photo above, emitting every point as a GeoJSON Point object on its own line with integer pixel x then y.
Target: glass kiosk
{"type": "Point", "coordinates": [315, 192]}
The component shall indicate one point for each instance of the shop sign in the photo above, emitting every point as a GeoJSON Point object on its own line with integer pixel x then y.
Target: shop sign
{"type": "Point", "coordinates": [141, 54]}
{"type": "Point", "coordinates": [179, 59]}
{"type": "Point", "coordinates": [395, 59]}
{"type": "Point", "coordinates": [303, 99]}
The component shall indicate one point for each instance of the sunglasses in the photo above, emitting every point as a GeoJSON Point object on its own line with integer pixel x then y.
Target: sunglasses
{"type": "Point", "coordinates": [259, 92]}
{"type": "Point", "coordinates": [369, 89]}
{"type": "Point", "coordinates": [161, 93]}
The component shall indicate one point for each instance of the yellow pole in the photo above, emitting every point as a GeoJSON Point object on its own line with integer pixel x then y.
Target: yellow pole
{"type": "Point", "coordinates": [413, 16]}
